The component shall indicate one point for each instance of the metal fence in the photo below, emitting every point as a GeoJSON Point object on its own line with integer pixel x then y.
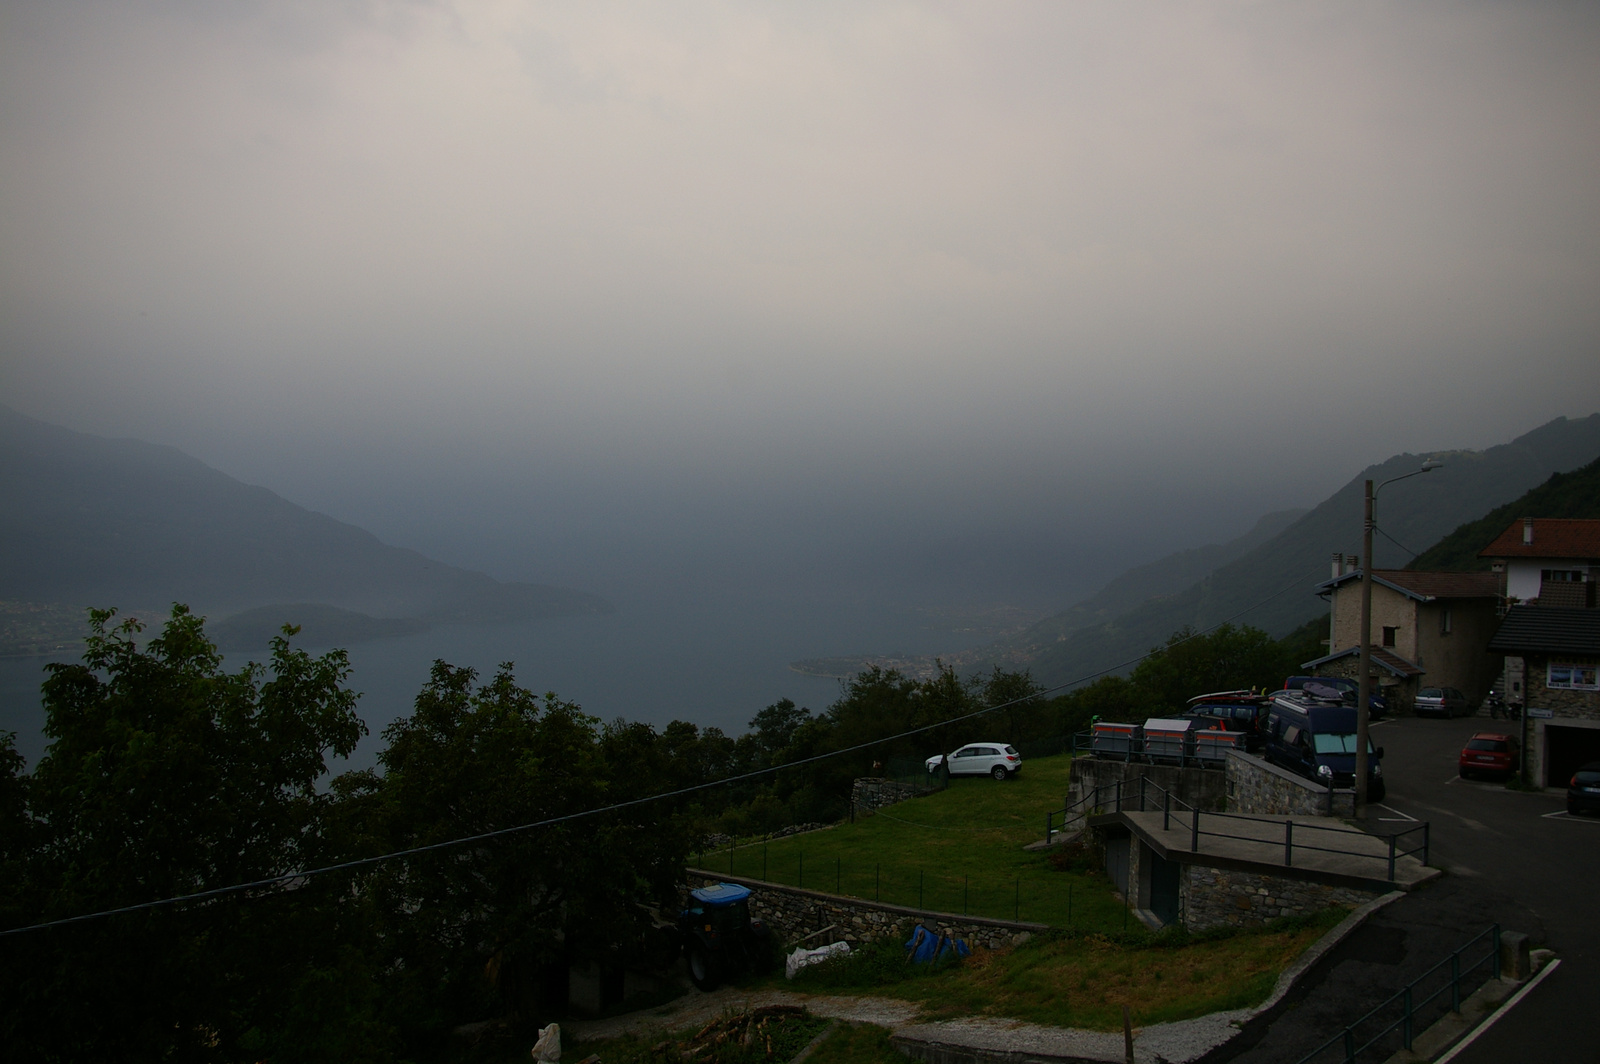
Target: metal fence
{"type": "Point", "coordinates": [1398, 1019]}
{"type": "Point", "coordinates": [1146, 796]}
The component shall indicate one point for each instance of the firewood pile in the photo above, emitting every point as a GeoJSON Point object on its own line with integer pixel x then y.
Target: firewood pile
{"type": "Point", "coordinates": [750, 1031]}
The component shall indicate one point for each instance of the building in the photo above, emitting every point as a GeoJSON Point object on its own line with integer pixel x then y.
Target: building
{"type": "Point", "coordinates": [1548, 561]}
{"type": "Point", "coordinates": [1429, 630]}
{"type": "Point", "coordinates": [1550, 639]}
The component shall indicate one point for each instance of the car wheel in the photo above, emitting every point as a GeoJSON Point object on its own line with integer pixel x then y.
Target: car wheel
{"type": "Point", "coordinates": [999, 772]}
{"type": "Point", "coordinates": [702, 969]}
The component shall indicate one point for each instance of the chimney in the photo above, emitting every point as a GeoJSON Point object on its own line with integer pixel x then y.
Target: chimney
{"type": "Point", "coordinates": [1527, 531]}
{"type": "Point", "coordinates": [1338, 566]}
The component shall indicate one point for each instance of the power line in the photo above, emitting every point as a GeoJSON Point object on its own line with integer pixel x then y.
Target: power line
{"type": "Point", "coordinates": [368, 862]}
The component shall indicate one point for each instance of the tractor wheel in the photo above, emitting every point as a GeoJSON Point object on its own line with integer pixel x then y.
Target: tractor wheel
{"type": "Point", "coordinates": [702, 967]}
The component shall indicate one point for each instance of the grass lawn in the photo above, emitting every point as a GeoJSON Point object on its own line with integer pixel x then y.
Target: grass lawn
{"type": "Point", "coordinates": [1077, 980]}
{"type": "Point", "coordinates": [957, 851]}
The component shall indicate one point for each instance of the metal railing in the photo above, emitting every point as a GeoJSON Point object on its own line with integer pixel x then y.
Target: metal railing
{"type": "Point", "coordinates": [1147, 796]}
{"type": "Point", "coordinates": [1404, 1008]}
{"type": "Point", "coordinates": [1187, 755]}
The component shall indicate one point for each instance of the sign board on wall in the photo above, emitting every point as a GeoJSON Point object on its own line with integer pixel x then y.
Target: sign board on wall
{"type": "Point", "coordinates": [1535, 711]}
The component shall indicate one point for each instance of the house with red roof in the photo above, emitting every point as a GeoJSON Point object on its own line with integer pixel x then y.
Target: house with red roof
{"type": "Point", "coordinates": [1550, 638]}
{"type": "Point", "coordinates": [1429, 630]}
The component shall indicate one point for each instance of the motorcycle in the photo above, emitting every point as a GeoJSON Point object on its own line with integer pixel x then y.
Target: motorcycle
{"type": "Point", "coordinates": [1499, 707]}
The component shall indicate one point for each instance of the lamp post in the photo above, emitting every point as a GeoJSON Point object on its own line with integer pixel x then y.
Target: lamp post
{"type": "Point", "coordinates": [1364, 690]}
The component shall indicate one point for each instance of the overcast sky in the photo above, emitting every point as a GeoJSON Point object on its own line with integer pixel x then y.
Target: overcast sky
{"type": "Point", "coordinates": [559, 290]}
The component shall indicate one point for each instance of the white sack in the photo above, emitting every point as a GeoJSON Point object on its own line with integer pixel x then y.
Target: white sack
{"type": "Point", "coordinates": [800, 958]}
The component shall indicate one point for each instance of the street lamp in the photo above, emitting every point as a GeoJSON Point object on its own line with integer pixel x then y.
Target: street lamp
{"type": "Point", "coordinates": [1364, 691]}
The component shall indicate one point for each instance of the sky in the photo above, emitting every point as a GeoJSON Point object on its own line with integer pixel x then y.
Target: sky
{"type": "Point", "coordinates": [960, 301]}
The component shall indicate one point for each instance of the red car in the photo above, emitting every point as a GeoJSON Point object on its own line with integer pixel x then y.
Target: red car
{"type": "Point", "coordinates": [1489, 753]}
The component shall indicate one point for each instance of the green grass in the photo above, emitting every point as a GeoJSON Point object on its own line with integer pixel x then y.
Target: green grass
{"type": "Point", "coordinates": [1084, 980]}
{"type": "Point", "coordinates": [957, 851]}
{"type": "Point", "coordinates": [857, 1044]}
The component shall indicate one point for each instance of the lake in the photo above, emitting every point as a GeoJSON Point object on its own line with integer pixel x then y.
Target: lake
{"type": "Point", "coordinates": [711, 661]}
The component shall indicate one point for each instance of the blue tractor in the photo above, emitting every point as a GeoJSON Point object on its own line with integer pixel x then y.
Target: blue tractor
{"type": "Point", "coordinates": [720, 941]}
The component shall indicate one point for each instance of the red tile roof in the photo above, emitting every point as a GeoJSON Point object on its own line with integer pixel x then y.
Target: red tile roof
{"type": "Point", "coordinates": [1553, 537]}
{"type": "Point", "coordinates": [1442, 585]}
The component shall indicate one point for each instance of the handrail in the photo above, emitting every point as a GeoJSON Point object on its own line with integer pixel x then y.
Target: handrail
{"type": "Point", "coordinates": [1169, 802]}
{"type": "Point", "coordinates": [1409, 1006]}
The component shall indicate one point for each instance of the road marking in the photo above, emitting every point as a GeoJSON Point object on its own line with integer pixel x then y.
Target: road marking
{"type": "Point", "coordinates": [1564, 815]}
{"type": "Point", "coordinates": [1400, 818]}
{"type": "Point", "coordinates": [1489, 1020]}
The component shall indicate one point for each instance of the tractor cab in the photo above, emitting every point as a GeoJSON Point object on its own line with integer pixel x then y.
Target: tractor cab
{"type": "Point", "coordinates": [719, 938]}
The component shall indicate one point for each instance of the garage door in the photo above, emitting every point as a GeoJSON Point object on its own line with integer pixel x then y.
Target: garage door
{"type": "Point", "coordinates": [1566, 749]}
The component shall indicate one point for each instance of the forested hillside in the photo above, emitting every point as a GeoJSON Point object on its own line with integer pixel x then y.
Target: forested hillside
{"type": "Point", "coordinates": [1574, 494]}
{"type": "Point", "coordinates": [1272, 585]}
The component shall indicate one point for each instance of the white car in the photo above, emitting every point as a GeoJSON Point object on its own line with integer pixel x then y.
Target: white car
{"type": "Point", "coordinates": [981, 759]}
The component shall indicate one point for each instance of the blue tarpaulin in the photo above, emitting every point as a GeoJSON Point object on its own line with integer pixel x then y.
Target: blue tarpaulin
{"type": "Point", "coordinates": [925, 947]}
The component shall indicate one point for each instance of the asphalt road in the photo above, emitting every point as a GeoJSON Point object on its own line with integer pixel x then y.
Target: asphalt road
{"type": "Point", "coordinates": [1510, 857]}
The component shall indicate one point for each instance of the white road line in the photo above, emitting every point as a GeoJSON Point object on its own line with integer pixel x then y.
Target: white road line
{"type": "Point", "coordinates": [1562, 814]}
{"type": "Point", "coordinates": [1399, 817]}
{"type": "Point", "coordinates": [1489, 1020]}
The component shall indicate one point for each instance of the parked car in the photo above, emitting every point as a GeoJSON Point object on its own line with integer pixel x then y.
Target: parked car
{"type": "Point", "coordinates": [1489, 753]}
{"type": "Point", "coordinates": [1349, 690]}
{"type": "Point", "coordinates": [1235, 711]}
{"type": "Point", "coordinates": [980, 759]}
{"type": "Point", "coordinates": [1583, 792]}
{"type": "Point", "coordinates": [1441, 702]}
{"type": "Point", "coordinates": [1316, 738]}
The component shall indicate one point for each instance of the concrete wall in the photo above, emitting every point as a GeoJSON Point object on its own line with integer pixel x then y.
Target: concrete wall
{"type": "Point", "coordinates": [1216, 897]}
{"type": "Point", "coordinates": [1257, 788]}
{"type": "Point", "coordinates": [1458, 658]}
{"type": "Point", "coordinates": [1389, 609]}
{"type": "Point", "coordinates": [1204, 787]}
{"type": "Point", "coordinates": [793, 914]}
{"type": "Point", "coordinates": [1583, 705]}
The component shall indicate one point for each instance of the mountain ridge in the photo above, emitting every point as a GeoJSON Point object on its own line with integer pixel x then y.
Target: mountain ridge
{"type": "Point", "coordinates": [96, 521]}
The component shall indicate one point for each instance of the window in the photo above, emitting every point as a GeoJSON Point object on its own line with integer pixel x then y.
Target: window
{"type": "Point", "coordinates": [1571, 677]}
{"type": "Point", "coordinates": [1561, 576]}
{"type": "Point", "coordinates": [1444, 621]}
{"type": "Point", "coordinates": [1389, 635]}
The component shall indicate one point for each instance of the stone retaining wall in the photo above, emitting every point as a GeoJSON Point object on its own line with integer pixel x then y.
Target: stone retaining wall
{"type": "Point", "coordinates": [1217, 897]}
{"type": "Point", "coordinates": [869, 794]}
{"type": "Point", "coordinates": [1260, 789]}
{"type": "Point", "coordinates": [793, 914]}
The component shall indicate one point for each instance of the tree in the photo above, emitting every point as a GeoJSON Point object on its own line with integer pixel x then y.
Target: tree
{"type": "Point", "coordinates": [167, 776]}
{"type": "Point", "coordinates": [471, 932]}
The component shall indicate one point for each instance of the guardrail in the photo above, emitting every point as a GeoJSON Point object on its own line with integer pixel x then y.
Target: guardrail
{"type": "Point", "coordinates": [1200, 749]}
{"type": "Point", "coordinates": [1404, 1007]}
{"type": "Point", "coordinates": [1113, 797]}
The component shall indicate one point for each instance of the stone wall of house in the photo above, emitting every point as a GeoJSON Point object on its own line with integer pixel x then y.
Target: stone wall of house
{"type": "Point", "coordinates": [1584, 705]}
{"type": "Point", "coordinates": [1217, 897]}
{"type": "Point", "coordinates": [1203, 787]}
{"type": "Point", "coordinates": [870, 793]}
{"type": "Point", "coordinates": [1257, 788]}
{"type": "Point", "coordinates": [794, 915]}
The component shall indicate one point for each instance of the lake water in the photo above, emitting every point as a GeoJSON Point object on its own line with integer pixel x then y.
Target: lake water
{"type": "Point", "coordinates": [711, 662]}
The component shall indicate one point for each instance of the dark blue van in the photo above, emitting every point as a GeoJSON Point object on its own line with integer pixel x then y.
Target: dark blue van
{"type": "Point", "coordinates": [1316, 738]}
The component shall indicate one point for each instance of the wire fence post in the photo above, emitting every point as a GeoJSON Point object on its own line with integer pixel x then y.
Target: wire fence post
{"type": "Point", "coordinates": [920, 877]}
{"type": "Point", "coordinates": [763, 862]}
{"type": "Point", "coordinates": [964, 894]}
{"type": "Point", "coordinates": [1405, 1019]}
{"type": "Point", "coordinates": [1391, 858]}
{"type": "Point", "coordinates": [1349, 1046]}
{"type": "Point", "coordinates": [1425, 843]}
{"type": "Point", "coordinates": [1455, 981]}
{"type": "Point", "coordinates": [1141, 793]}
{"type": "Point", "coordinates": [1288, 843]}
{"type": "Point", "coordinates": [1016, 901]}
{"type": "Point", "coordinates": [1495, 945]}
{"type": "Point", "coordinates": [877, 880]}
{"type": "Point", "coordinates": [1194, 833]}
{"type": "Point", "coordinates": [1166, 809]}
{"type": "Point", "coordinates": [800, 876]}
{"type": "Point", "coordinates": [838, 875]}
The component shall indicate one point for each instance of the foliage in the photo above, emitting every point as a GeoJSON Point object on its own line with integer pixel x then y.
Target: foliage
{"type": "Point", "coordinates": [859, 1043]}
{"type": "Point", "coordinates": [1574, 494]}
{"type": "Point", "coordinates": [770, 1034]}
{"type": "Point", "coordinates": [470, 932]}
{"type": "Point", "coordinates": [167, 776]}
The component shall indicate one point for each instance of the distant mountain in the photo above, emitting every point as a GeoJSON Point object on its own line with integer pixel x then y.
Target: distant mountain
{"type": "Point", "coordinates": [1270, 586]}
{"type": "Point", "coordinates": [92, 521]}
{"type": "Point", "coordinates": [1574, 494]}
{"type": "Point", "coordinates": [1156, 580]}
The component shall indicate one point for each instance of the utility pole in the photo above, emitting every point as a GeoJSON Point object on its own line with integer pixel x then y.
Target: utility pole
{"type": "Point", "coordinates": [1364, 690]}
